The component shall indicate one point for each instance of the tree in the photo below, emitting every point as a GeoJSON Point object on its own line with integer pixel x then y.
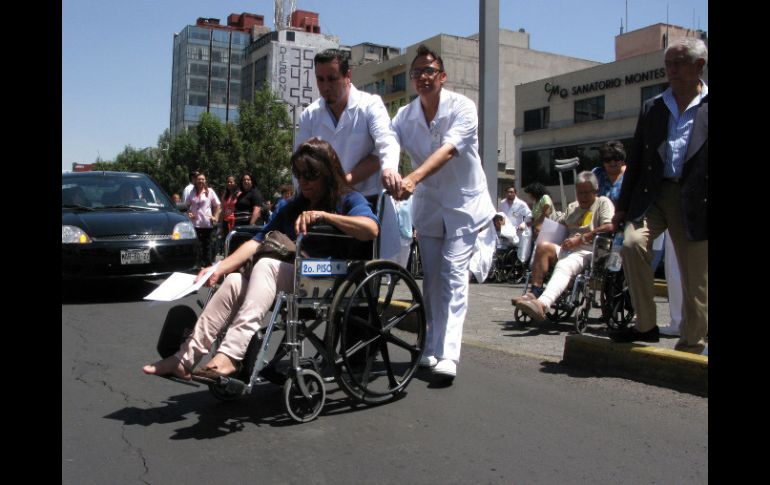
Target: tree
{"type": "Point", "coordinates": [265, 133]}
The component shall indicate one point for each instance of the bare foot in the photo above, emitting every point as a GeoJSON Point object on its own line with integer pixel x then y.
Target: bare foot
{"type": "Point", "coordinates": [222, 363]}
{"type": "Point", "coordinates": [170, 365]}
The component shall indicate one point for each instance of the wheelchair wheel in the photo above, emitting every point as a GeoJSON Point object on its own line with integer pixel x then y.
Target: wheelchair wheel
{"type": "Point", "coordinates": [617, 309]}
{"type": "Point", "coordinates": [521, 317]}
{"type": "Point", "coordinates": [300, 407]}
{"type": "Point", "coordinates": [581, 316]}
{"type": "Point", "coordinates": [376, 332]}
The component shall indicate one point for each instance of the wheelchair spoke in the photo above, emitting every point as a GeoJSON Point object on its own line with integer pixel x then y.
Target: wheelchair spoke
{"type": "Point", "coordinates": [396, 319]}
{"type": "Point", "coordinates": [389, 296]}
{"type": "Point", "coordinates": [401, 343]}
{"type": "Point", "coordinates": [386, 360]}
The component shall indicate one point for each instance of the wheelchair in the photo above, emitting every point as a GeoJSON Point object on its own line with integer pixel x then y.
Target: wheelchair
{"type": "Point", "coordinates": [352, 321]}
{"type": "Point", "coordinates": [595, 287]}
{"type": "Point", "coordinates": [506, 266]}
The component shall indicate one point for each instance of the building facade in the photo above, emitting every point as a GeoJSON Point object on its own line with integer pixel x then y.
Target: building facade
{"type": "Point", "coordinates": [573, 114]}
{"type": "Point", "coordinates": [518, 64]}
{"type": "Point", "coordinates": [206, 69]}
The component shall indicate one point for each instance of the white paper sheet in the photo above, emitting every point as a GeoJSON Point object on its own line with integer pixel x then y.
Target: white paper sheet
{"type": "Point", "coordinates": [179, 285]}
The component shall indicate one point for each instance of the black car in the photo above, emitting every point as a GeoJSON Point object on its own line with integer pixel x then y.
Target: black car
{"type": "Point", "coordinates": [122, 225]}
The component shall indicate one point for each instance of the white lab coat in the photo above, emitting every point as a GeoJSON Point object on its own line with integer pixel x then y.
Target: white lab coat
{"type": "Point", "coordinates": [363, 129]}
{"type": "Point", "coordinates": [449, 208]}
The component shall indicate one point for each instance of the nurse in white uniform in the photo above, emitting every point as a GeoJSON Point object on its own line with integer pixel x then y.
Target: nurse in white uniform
{"type": "Point", "coordinates": [451, 201]}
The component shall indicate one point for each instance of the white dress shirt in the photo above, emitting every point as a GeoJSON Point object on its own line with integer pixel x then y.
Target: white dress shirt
{"type": "Point", "coordinates": [515, 212]}
{"type": "Point", "coordinates": [363, 129]}
{"type": "Point", "coordinates": [454, 199]}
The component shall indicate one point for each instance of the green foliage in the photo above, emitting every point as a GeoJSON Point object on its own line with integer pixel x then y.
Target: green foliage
{"type": "Point", "coordinates": [259, 142]}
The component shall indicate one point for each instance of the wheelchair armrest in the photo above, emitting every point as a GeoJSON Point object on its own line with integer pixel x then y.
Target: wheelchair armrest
{"type": "Point", "coordinates": [324, 229]}
{"type": "Point", "coordinates": [250, 229]}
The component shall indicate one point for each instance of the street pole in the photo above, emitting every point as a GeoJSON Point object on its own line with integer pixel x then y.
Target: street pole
{"type": "Point", "coordinates": [489, 74]}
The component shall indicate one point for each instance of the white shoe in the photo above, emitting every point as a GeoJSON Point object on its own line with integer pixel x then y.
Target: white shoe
{"type": "Point", "coordinates": [446, 367]}
{"type": "Point", "coordinates": [428, 361]}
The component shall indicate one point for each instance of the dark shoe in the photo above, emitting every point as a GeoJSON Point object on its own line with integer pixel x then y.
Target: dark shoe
{"type": "Point", "coordinates": [631, 334]}
{"type": "Point", "coordinates": [692, 349]}
{"type": "Point", "coordinates": [532, 308]}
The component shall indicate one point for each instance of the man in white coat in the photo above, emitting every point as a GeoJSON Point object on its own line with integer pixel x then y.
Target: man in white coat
{"type": "Point", "coordinates": [516, 212]}
{"type": "Point", "coordinates": [358, 127]}
{"type": "Point", "coordinates": [451, 201]}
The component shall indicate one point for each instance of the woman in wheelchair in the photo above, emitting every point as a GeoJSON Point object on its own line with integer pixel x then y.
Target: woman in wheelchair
{"type": "Point", "coordinates": [243, 302]}
{"type": "Point", "coordinates": [584, 218]}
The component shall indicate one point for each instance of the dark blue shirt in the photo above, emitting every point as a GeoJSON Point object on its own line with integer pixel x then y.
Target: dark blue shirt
{"type": "Point", "coordinates": [353, 204]}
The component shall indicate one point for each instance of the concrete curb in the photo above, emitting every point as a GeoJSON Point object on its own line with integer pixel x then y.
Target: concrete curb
{"type": "Point", "coordinates": [670, 368]}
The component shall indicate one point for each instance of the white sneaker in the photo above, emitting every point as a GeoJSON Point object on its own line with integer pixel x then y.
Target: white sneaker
{"type": "Point", "coordinates": [428, 361]}
{"type": "Point", "coordinates": [446, 367]}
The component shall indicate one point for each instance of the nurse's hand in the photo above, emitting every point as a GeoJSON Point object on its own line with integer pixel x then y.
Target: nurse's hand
{"type": "Point", "coordinates": [407, 188]}
{"type": "Point", "coordinates": [391, 181]}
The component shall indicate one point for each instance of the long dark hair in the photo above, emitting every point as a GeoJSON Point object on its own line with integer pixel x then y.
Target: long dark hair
{"type": "Point", "coordinates": [536, 190]}
{"type": "Point", "coordinates": [319, 155]}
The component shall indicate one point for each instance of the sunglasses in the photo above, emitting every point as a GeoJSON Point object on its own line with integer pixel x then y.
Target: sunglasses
{"type": "Point", "coordinates": [610, 160]}
{"type": "Point", "coordinates": [309, 174]}
{"type": "Point", "coordinates": [429, 71]}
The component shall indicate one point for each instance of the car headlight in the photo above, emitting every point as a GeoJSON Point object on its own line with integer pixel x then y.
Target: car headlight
{"type": "Point", "coordinates": [73, 235]}
{"type": "Point", "coordinates": [184, 230]}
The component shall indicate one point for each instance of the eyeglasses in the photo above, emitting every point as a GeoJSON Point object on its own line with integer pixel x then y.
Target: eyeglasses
{"type": "Point", "coordinates": [610, 160]}
{"type": "Point", "coordinates": [309, 174]}
{"type": "Point", "coordinates": [429, 71]}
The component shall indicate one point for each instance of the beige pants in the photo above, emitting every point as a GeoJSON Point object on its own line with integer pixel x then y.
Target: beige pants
{"type": "Point", "coordinates": [243, 308]}
{"type": "Point", "coordinates": [666, 213]}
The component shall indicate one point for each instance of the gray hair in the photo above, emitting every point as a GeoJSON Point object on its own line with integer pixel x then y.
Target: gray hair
{"type": "Point", "coordinates": [587, 177]}
{"type": "Point", "coordinates": [695, 48]}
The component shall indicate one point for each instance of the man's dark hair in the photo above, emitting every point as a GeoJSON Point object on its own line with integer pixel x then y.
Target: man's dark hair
{"type": "Point", "coordinates": [193, 175]}
{"type": "Point", "coordinates": [330, 55]}
{"type": "Point", "coordinates": [613, 150]}
{"type": "Point", "coordinates": [422, 50]}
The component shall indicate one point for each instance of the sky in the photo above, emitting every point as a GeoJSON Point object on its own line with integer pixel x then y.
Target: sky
{"type": "Point", "coordinates": [117, 55]}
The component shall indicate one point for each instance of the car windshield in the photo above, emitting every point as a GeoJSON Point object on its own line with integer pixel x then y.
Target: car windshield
{"type": "Point", "coordinates": [102, 191]}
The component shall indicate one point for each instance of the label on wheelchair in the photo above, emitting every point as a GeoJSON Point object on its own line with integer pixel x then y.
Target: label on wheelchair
{"type": "Point", "coordinates": [323, 267]}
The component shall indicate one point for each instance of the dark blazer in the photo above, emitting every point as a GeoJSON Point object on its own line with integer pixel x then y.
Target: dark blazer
{"type": "Point", "coordinates": [644, 168]}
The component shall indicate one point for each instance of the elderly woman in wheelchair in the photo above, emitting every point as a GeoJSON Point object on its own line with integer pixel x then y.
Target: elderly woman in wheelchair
{"type": "Point", "coordinates": [243, 303]}
{"type": "Point", "coordinates": [584, 219]}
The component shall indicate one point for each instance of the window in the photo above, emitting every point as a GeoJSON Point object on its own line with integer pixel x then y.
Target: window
{"type": "Point", "coordinates": [399, 82]}
{"type": "Point", "coordinates": [652, 91]}
{"type": "Point", "coordinates": [539, 165]}
{"type": "Point", "coordinates": [536, 119]}
{"type": "Point", "coordinates": [289, 36]}
{"type": "Point", "coordinates": [589, 109]}
{"type": "Point", "coordinates": [198, 85]}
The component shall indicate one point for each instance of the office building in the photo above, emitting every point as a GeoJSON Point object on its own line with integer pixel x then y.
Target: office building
{"type": "Point", "coordinates": [206, 68]}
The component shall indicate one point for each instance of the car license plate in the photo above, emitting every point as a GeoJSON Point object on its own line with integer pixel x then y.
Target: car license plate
{"type": "Point", "coordinates": [135, 256]}
{"type": "Point", "coordinates": [324, 267]}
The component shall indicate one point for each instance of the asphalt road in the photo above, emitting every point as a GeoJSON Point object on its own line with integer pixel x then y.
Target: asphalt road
{"type": "Point", "coordinates": [509, 418]}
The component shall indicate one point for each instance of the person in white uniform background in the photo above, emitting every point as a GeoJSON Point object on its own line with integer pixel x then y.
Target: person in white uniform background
{"type": "Point", "coordinates": [516, 212]}
{"type": "Point", "coordinates": [357, 125]}
{"type": "Point", "coordinates": [451, 202]}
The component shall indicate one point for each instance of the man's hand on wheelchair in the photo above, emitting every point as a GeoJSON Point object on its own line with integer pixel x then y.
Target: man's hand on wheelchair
{"type": "Point", "coordinates": [391, 181]}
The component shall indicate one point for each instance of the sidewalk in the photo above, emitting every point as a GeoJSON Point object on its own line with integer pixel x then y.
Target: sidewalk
{"type": "Point", "coordinates": [490, 324]}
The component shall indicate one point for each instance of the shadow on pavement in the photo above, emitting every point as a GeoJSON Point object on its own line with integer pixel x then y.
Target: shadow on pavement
{"type": "Point", "coordinates": [264, 406]}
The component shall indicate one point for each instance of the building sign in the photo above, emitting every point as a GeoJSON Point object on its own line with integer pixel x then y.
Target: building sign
{"type": "Point", "coordinates": [603, 84]}
{"type": "Point", "coordinates": [294, 75]}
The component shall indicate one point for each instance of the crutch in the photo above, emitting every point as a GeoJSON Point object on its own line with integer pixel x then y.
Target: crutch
{"type": "Point", "coordinates": [562, 166]}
